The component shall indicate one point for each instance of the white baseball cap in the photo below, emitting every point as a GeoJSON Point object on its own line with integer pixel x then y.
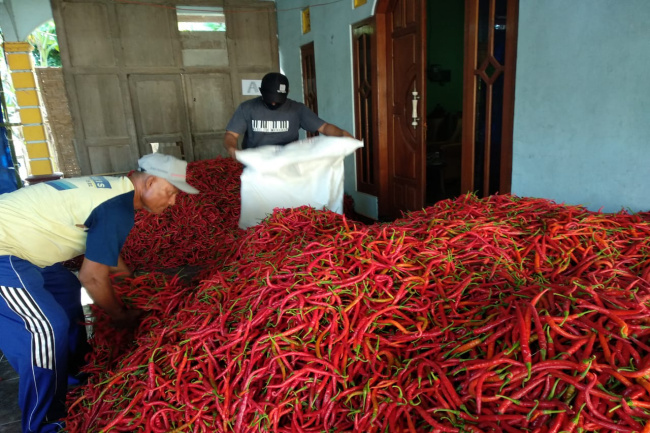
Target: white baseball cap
{"type": "Point", "coordinates": [173, 170]}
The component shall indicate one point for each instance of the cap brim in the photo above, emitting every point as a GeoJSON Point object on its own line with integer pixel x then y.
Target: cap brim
{"type": "Point", "coordinates": [274, 97]}
{"type": "Point", "coordinates": [184, 186]}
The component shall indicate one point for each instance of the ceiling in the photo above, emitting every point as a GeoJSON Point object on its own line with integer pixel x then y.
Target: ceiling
{"type": "Point", "coordinates": [18, 18]}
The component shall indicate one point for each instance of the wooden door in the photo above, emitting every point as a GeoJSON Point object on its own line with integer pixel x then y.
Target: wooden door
{"type": "Point", "coordinates": [134, 78]}
{"type": "Point", "coordinates": [488, 100]}
{"type": "Point", "coordinates": [402, 23]}
{"type": "Point", "coordinates": [366, 117]}
{"type": "Point", "coordinates": [160, 117]}
{"type": "Point", "coordinates": [209, 106]}
{"type": "Point", "coordinates": [105, 139]}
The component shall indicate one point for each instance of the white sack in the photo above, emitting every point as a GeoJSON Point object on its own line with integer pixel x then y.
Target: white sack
{"type": "Point", "coordinates": [305, 172]}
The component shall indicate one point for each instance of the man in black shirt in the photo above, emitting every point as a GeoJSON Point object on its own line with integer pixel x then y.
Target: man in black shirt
{"type": "Point", "coordinates": [273, 119]}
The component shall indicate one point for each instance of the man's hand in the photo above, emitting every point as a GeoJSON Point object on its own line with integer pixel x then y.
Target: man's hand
{"type": "Point", "coordinates": [126, 319]}
{"type": "Point", "coordinates": [230, 143]}
{"type": "Point", "coordinates": [95, 278]}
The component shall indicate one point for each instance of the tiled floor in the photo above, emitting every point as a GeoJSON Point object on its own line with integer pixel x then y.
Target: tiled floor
{"type": "Point", "coordinates": [9, 411]}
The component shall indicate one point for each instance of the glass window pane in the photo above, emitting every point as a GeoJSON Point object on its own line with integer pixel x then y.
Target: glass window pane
{"type": "Point", "coordinates": [203, 38]}
{"type": "Point", "coordinates": [200, 19]}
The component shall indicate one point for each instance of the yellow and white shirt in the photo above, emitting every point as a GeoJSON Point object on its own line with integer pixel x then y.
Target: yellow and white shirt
{"type": "Point", "coordinates": [51, 222]}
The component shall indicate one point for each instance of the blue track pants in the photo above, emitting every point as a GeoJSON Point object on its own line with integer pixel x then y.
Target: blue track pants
{"type": "Point", "coordinates": [41, 330]}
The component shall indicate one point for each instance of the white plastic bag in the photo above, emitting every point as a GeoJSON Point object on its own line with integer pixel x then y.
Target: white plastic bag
{"type": "Point", "coordinates": [306, 172]}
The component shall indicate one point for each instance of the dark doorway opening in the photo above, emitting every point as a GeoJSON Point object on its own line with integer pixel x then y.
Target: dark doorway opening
{"type": "Point", "coordinates": [444, 74]}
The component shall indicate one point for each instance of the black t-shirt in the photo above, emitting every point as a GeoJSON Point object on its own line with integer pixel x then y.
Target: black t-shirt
{"type": "Point", "coordinates": [262, 126]}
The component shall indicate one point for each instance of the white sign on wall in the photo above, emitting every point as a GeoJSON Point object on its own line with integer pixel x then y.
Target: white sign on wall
{"type": "Point", "coordinates": [251, 87]}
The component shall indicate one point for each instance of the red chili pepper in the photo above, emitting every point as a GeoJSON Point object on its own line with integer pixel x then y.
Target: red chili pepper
{"type": "Point", "coordinates": [434, 311]}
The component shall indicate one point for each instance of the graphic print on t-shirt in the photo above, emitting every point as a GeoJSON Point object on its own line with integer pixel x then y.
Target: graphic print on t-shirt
{"type": "Point", "coordinates": [270, 125]}
{"type": "Point", "coordinates": [92, 182]}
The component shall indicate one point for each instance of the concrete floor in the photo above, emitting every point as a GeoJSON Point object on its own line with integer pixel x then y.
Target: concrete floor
{"type": "Point", "coordinates": [9, 411]}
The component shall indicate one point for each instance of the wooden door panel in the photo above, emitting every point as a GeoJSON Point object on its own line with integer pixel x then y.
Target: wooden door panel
{"type": "Point", "coordinates": [249, 30]}
{"type": "Point", "coordinates": [209, 101]}
{"type": "Point", "coordinates": [123, 68]}
{"type": "Point", "coordinates": [405, 136]}
{"type": "Point", "coordinates": [208, 145]}
{"type": "Point", "coordinates": [488, 101]}
{"type": "Point", "coordinates": [405, 13]}
{"type": "Point", "coordinates": [160, 114]}
{"type": "Point", "coordinates": [210, 106]}
{"type": "Point", "coordinates": [101, 106]}
{"type": "Point", "coordinates": [108, 144]}
{"type": "Point", "coordinates": [86, 32]}
{"type": "Point", "coordinates": [406, 145]}
{"type": "Point", "coordinates": [146, 35]}
{"type": "Point", "coordinates": [252, 43]}
{"type": "Point", "coordinates": [366, 113]}
{"type": "Point", "coordinates": [110, 159]}
{"type": "Point", "coordinates": [158, 106]}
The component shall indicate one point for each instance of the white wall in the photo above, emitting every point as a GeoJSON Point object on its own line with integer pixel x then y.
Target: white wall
{"type": "Point", "coordinates": [332, 36]}
{"type": "Point", "coordinates": [582, 109]}
{"type": "Point", "coordinates": [18, 18]}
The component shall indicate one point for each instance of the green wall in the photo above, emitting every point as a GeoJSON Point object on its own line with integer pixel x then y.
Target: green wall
{"type": "Point", "coordinates": [582, 110]}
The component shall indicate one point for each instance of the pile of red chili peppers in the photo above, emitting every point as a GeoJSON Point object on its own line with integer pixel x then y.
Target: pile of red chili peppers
{"type": "Point", "coordinates": [199, 227]}
{"type": "Point", "coordinates": [502, 314]}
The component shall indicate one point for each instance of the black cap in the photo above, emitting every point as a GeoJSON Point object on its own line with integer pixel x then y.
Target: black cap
{"type": "Point", "coordinates": [275, 88]}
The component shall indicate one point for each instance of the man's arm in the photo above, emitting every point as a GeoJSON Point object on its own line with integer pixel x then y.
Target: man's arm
{"type": "Point", "coordinates": [230, 142]}
{"type": "Point", "coordinates": [94, 277]}
{"type": "Point", "coordinates": [121, 270]}
{"type": "Point", "coordinates": [333, 131]}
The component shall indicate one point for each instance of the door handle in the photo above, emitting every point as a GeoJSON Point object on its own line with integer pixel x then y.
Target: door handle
{"type": "Point", "coordinates": [414, 112]}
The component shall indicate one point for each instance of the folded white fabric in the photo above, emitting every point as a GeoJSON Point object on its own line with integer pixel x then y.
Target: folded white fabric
{"type": "Point", "coordinates": [306, 172]}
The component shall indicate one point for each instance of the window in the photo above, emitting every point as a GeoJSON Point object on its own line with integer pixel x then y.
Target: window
{"type": "Point", "coordinates": [200, 19]}
{"type": "Point", "coordinates": [363, 37]}
{"type": "Point", "coordinates": [202, 32]}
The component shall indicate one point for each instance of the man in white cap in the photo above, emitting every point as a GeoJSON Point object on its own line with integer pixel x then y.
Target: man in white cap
{"type": "Point", "coordinates": [274, 119]}
{"type": "Point", "coordinates": [40, 300]}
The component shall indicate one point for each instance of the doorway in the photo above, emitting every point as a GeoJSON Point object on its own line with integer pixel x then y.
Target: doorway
{"type": "Point", "coordinates": [444, 73]}
{"type": "Point", "coordinates": [448, 92]}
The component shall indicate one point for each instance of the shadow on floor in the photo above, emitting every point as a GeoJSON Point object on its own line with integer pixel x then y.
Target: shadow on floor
{"type": "Point", "coordinates": [9, 410]}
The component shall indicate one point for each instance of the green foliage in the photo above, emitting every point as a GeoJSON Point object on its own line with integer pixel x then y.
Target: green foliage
{"type": "Point", "coordinates": [46, 45]}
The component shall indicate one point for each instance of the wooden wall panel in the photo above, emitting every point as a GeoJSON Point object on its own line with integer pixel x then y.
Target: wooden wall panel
{"type": "Point", "coordinates": [208, 146]}
{"type": "Point", "coordinates": [210, 107]}
{"type": "Point", "coordinates": [108, 160]}
{"type": "Point", "coordinates": [128, 84]}
{"type": "Point", "coordinates": [158, 103]}
{"type": "Point", "coordinates": [87, 33]}
{"type": "Point", "coordinates": [147, 34]}
{"type": "Point", "coordinates": [101, 106]}
{"type": "Point", "coordinates": [160, 112]}
{"type": "Point", "coordinates": [248, 34]}
{"type": "Point", "coordinates": [204, 49]}
{"type": "Point", "coordinates": [209, 101]}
